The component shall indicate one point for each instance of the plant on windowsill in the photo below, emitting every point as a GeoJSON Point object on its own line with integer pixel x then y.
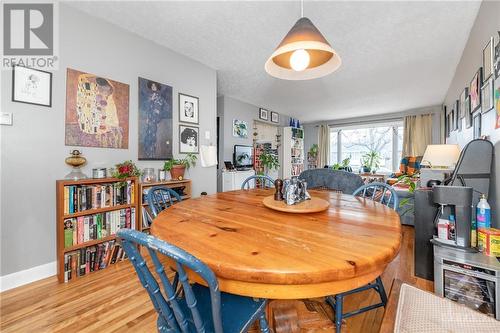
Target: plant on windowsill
{"type": "Point", "coordinates": [370, 161]}
{"type": "Point", "coordinates": [177, 167]}
{"type": "Point", "coordinates": [344, 165]}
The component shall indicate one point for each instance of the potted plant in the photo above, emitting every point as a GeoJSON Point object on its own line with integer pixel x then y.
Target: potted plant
{"type": "Point", "coordinates": [313, 151]}
{"type": "Point", "coordinates": [125, 170]}
{"type": "Point", "coordinates": [344, 165]}
{"type": "Point", "coordinates": [269, 161]}
{"type": "Point", "coordinates": [370, 161]}
{"type": "Point", "coordinates": [177, 167]}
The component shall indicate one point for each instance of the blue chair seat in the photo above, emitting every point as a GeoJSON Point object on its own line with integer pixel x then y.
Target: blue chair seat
{"type": "Point", "coordinates": [238, 312]}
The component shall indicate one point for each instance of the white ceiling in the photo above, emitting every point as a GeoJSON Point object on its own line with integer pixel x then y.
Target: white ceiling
{"type": "Point", "coordinates": [395, 55]}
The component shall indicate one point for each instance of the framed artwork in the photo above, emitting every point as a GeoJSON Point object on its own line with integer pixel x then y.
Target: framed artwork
{"type": "Point", "coordinates": [155, 120]}
{"type": "Point", "coordinates": [275, 117]}
{"type": "Point", "coordinates": [496, 96]}
{"type": "Point", "coordinates": [263, 114]}
{"type": "Point", "coordinates": [31, 86]}
{"type": "Point", "coordinates": [488, 57]}
{"type": "Point", "coordinates": [458, 120]}
{"type": "Point", "coordinates": [188, 109]}
{"type": "Point", "coordinates": [450, 122]}
{"type": "Point", "coordinates": [96, 111]}
{"type": "Point", "coordinates": [474, 91]}
{"type": "Point", "coordinates": [189, 139]}
{"type": "Point", "coordinates": [487, 95]}
{"type": "Point", "coordinates": [463, 96]}
{"type": "Point", "coordinates": [477, 125]}
{"type": "Point", "coordinates": [468, 114]}
{"type": "Point", "coordinates": [496, 61]}
{"type": "Point", "coordinates": [240, 129]}
{"type": "Point", "coordinates": [446, 123]}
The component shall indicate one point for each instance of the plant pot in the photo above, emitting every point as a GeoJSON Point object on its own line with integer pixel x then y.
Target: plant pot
{"type": "Point", "coordinates": [177, 172]}
{"type": "Point", "coordinates": [366, 169]}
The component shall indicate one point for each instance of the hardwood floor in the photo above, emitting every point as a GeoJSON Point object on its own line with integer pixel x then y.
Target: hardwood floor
{"type": "Point", "coordinates": [113, 300]}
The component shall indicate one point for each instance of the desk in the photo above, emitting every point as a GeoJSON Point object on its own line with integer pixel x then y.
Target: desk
{"type": "Point", "coordinates": [258, 252]}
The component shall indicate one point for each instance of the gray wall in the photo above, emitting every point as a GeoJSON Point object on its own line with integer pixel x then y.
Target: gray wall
{"type": "Point", "coordinates": [311, 129]}
{"type": "Point", "coordinates": [33, 150]}
{"type": "Point", "coordinates": [486, 25]}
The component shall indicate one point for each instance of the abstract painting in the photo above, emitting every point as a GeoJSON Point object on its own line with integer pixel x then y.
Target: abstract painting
{"type": "Point", "coordinates": [240, 129]}
{"type": "Point", "coordinates": [474, 91]}
{"type": "Point", "coordinates": [496, 65]}
{"type": "Point", "coordinates": [155, 120]}
{"type": "Point", "coordinates": [188, 139]}
{"type": "Point", "coordinates": [96, 111]}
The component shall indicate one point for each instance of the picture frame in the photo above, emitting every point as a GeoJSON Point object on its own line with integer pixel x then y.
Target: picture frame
{"type": "Point", "coordinates": [475, 91]}
{"type": "Point", "coordinates": [189, 139]}
{"type": "Point", "coordinates": [263, 114]}
{"type": "Point", "coordinates": [446, 123]}
{"type": "Point", "coordinates": [496, 87]}
{"type": "Point", "coordinates": [458, 120]}
{"type": "Point", "coordinates": [487, 95]}
{"type": "Point", "coordinates": [31, 86]}
{"type": "Point", "coordinates": [488, 57]}
{"type": "Point", "coordinates": [463, 96]}
{"type": "Point", "coordinates": [189, 109]}
{"type": "Point", "coordinates": [240, 129]}
{"type": "Point", "coordinates": [496, 61]}
{"type": "Point", "coordinates": [477, 125]}
{"type": "Point", "coordinates": [275, 117]}
{"type": "Point", "coordinates": [468, 114]}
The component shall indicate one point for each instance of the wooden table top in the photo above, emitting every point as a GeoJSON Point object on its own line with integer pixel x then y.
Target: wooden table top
{"type": "Point", "coordinates": [256, 251]}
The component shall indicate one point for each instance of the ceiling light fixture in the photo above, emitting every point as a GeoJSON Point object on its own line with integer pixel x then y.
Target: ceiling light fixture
{"type": "Point", "coordinates": [303, 54]}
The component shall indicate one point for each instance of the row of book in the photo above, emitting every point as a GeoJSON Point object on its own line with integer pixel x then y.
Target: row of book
{"type": "Point", "coordinates": [92, 258]}
{"type": "Point", "coordinates": [81, 229]}
{"type": "Point", "coordinates": [79, 198]}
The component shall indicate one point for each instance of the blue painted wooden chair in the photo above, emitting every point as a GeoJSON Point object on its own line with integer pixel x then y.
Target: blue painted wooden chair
{"type": "Point", "coordinates": [265, 180]}
{"type": "Point", "coordinates": [189, 307]}
{"type": "Point", "coordinates": [386, 195]}
{"type": "Point", "coordinates": [160, 198]}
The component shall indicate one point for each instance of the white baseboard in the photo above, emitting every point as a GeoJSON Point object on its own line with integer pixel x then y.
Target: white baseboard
{"type": "Point", "coordinates": [27, 276]}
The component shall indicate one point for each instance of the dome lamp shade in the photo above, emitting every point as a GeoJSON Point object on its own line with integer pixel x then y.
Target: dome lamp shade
{"type": "Point", "coordinates": [303, 54]}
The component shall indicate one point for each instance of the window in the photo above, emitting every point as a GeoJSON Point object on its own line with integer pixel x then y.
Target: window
{"type": "Point", "coordinates": [356, 141]}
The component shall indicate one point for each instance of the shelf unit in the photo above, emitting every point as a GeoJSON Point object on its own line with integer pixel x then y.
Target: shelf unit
{"type": "Point", "coordinates": [292, 152]}
{"type": "Point", "coordinates": [61, 216]}
{"type": "Point", "coordinates": [145, 211]}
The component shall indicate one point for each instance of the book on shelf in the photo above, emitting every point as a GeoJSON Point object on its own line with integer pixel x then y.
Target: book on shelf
{"type": "Point", "coordinates": [92, 258]}
{"type": "Point", "coordinates": [81, 229]}
{"type": "Point", "coordinates": [78, 198]}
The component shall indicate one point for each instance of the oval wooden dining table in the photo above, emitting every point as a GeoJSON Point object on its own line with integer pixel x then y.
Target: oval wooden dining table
{"type": "Point", "coordinates": [259, 252]}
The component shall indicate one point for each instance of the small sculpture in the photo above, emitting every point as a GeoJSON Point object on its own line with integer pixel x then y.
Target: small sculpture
{"type": "Point", "coordinates": [295, 191]}
{"type": "Point", "coordinates": [278, 195]}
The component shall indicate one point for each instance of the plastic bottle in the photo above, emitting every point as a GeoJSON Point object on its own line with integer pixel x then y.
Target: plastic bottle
{"type": "Point", "coordinates": [483, 213]}
{"type": "Point", "coordinates": [473, 231]}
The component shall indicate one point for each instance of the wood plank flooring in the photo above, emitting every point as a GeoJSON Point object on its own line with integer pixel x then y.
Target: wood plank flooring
{"type": "Point", "coordinates": [113, 300]}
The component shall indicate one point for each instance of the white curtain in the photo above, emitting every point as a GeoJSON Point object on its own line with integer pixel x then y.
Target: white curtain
{"type": "Point", "coordinates": [417, 134]}
{"type": "Point", "coordinates": [323, 145]}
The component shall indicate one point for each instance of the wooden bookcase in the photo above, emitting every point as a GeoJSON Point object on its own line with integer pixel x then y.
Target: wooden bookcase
{"type": "Point", "coordinates": [62, 216]}
{"type": "Point", "coordinates": [186, 183]}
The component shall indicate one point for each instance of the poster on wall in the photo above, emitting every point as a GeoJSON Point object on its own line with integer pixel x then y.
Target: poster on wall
{"type": "Point", "coordinates": [474, 92]}
{"type": "Point", "coordinates": [96, 111]}
{"type": "Point", "coordinates": [155, 120]}
{"type": "Point", "coordinates": [188, 139]}
{"type": "Point", "coordinates": [240, 129]}
{"type": "Point", "coordinates": [497, 102]}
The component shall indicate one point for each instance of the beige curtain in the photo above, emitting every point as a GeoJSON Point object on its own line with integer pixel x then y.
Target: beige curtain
{"type": "Point", "coordinates": [323, 145]}
{"type": "Point", "coordinates": [417, 134]}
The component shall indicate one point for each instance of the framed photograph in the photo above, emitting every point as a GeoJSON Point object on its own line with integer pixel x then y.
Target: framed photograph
{"type": "Point", "coordinates": [188, 109]}
{"type": "Point", "coordinates": [474, 91]}
{"type": "Point", "coordinates": [446, 124]}
{"type": "Point", "coordinates": [97, 110]}
{"type": "Point", "coordinates": [275, 117]}
{"type": "Point", "coordinates": [263, 114]}
{"type": "Point", "coordinates": [477, 125]}
{"type": "Point", "coordinates": [189, 139]}
{"type": "Point", "coordinates": [487, 95]}
{"type": "Point", "coordinates": [155, 120]}
{"type": "Point", "coordinates": [453, 120]}
{"type": "Point", "coordinates": [496, 61]}
{"type": "Point", "coordinates": [458, 120]}
{"type": "Point", "coordinates": [488, 57]}
{"type": "Point", "coordinates": [240, 129]}
{"type": "Point", "coordinates": [450, 122]}
{"type": "Point", "coordinates": [468, 114]}
{"type": "Point", "coordinates": [31, 86]}
{"type": "Point", "coordinates": [463, 96]}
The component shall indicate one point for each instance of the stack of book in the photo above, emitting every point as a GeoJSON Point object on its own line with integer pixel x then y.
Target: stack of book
{"type": "Point", "coordinates": [82, 229]}
{"type": "Point", "coordinates": [79, 198]}
{"type": "Point", "coordinates": [91, 258]}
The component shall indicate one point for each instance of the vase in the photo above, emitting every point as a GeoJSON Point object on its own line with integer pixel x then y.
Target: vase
{"type": "Point", "coordinates": [76, 160]}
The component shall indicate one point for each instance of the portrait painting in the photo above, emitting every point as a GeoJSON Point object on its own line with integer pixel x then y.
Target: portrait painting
{"type": "Point", "coordinates": [97, 111]}
{"type": "Point", "coordinates": [155, 120]}
{"type": "Point", "coordinates": [188, 139]}
{"type": "Point", "coordinates": [188, 109]}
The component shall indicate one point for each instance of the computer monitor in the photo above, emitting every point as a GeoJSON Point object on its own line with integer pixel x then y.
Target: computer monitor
{"type": "Point", "coordinates": [243, 156]}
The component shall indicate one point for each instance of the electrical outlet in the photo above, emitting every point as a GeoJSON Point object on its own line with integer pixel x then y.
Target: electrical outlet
{"type": "Point", "coordinates": [6, 118]}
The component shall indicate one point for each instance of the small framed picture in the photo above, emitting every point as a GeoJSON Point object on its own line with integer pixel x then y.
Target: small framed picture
{"type": "Point", "coordinates": [458, 120]}
{"type": "Point", "coordinates": [488, 59]}
{"type": "Point", "coordinates": [476, 123]}
{"type": "Point", "coordinates": [496, 62]}
{"type": "Point", "coordinates": [188, 109]}
{"type": "Point", "coordinates": [240, 129]}
{"type": "Point", "coordinates": [475, 91]}
{"type": "Point", "coordinates": [263, 114]}
{"type": "Point", "coordinates": [487, 95]}
{"type": "Point", "coordinates": [275, 117]}
{"type": "Point", "coordinates": [31, 86]}
{"type": "Point", "coordinates": [463, 96]}
{"type": "Point", "coordinates": [189, 139]}
{"type": "Point", "coordinates": [468, 114]}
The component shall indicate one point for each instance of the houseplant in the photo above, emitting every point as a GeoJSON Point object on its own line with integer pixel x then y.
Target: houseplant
{"type": "Point", "coordinates": [269, 161]}
{"type": "Point", "coordinates": [370, 161]}
{"type": "Point", "coordinates": [125, 170]}
{"type": "Point", "coordinates": [344, 165]}
{"type": "Point", "coordinates": [177, 167]}
{"type": "Point", "coordinates": [313, 151]}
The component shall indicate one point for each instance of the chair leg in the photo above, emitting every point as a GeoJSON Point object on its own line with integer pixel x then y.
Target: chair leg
{"type": "Point", "coordinates": [264, 327]}
{"type": "Point", "coordinates": [381, 290]}
{"type": "Point", "coordinates": [339, 299]}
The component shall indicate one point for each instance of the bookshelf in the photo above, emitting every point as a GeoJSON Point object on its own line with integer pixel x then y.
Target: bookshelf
{"type": "Point", "coordinates": [88, 214]}
{"type": "Point", "coordinates": [145, 213]}
{"type": "Point", "coordinates": [292, 152]}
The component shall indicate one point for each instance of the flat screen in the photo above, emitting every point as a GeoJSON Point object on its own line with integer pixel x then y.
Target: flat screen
{"type": "Point", "coordinates": [243, 156]}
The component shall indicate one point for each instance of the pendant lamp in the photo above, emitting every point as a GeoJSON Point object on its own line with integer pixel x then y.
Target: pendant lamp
{"type": "Point", "coordinates": [303, 54]}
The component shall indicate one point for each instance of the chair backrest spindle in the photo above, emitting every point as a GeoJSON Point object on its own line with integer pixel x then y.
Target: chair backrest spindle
{"type": "Point", "coordinates": [160, 198]}
{"type": "Point", "coordinates": [380, 192]}
{"type": "Point", "coordinates": [265, 179]}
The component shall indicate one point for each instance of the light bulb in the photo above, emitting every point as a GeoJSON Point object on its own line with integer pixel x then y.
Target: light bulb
{"type": "Point", "coordinates": [299, 60]}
